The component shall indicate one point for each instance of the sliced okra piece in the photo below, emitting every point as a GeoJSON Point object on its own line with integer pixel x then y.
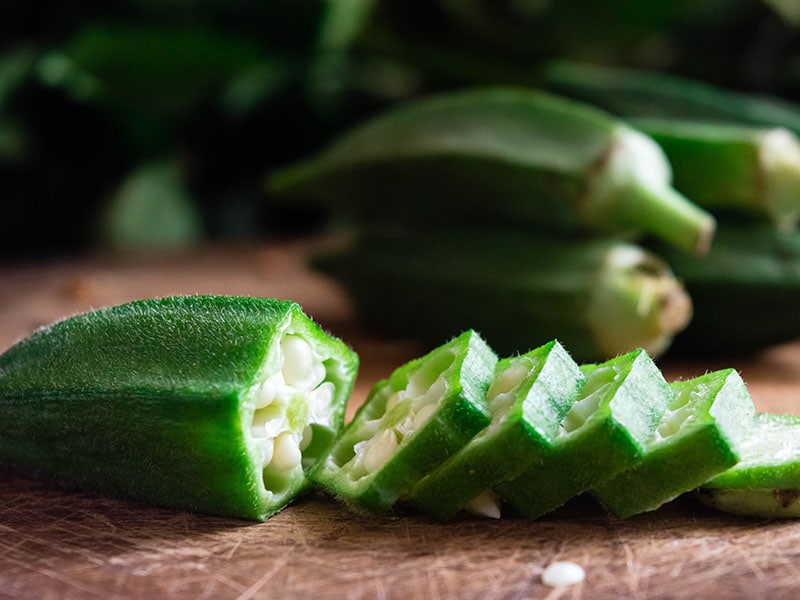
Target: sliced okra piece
{"type": "Point", "coordinates": [212, 404]}
{"type": "Point", "coordinates": [529, 396]}
{"type": "Point", "coordinates": [409, 424]}
{"type": "Point", "coordinates": [603, 434]}
{"type": "Point", "coordinates": [699, 436]}
{"type": "Point", "coordinates": [766, 480]}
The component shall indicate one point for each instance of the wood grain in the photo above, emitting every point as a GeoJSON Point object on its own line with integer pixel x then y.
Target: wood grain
{"type": "Point", "coordinates": [57, 543]}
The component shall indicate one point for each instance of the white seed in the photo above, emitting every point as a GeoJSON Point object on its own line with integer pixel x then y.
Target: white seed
{"type": "Point", "coordinates": [433, 394]}
{"type": "Point", "coordinates": [305, 441]}
{"type": "Point", "coordinates": [323, 395]}
{"type": "Point", "coordinates": [563, 573]}
{"type": "Point", "coordinates": [380, 450]}
{"type": "Point", "coordinates": [508, 379]}
{"type": "Point", "coordinates": [267, 391]}
{"type": "Point", "coordinates": [423, 414]}
{"type": "Point", "coordinates": [297, 359]}
{"type": "Point", "coordinates": [486, 505]}
{"type": "Point", "coordinates": [317, 375]}
{"type": "Point", "coordinates": [287, 454]}
{"type": "Point", "coordinates": [269, 449]}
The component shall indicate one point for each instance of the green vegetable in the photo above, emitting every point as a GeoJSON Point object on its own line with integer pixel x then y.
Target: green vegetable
{"type": "Point", "coordinates": [633, 93]}
{"type": "Point", "coordinates": [211, 404]}
{"type": "Point", "coordinates": [728, 167]}
{"type": "Point", "coordinates": [599, 297]}
{"type": "Point", "coordinates": [744, 291]}
{"type": "Point", "coordinates": [503, 155]}
{"type": "Point", "coordinates": [766, 481]}
{"type": "Point", "coordinates": [410, 423]}
{"type": "Point", "coordinates": [603, 434]}
{"type": "Point", "coordinates": [698, 437]}
{"type": "Point", "coordinates": [529, 396]}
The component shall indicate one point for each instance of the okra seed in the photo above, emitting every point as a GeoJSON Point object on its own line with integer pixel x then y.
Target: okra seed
{"type": "Point", "coordinates": [509, 379]}
{"type": "Point", "coordinates": [267, 391]}
{"type": "Point", "coordinates": [287, 454]}
{"type": "Point", "coordinates": [433, 393]}
{"type": "Point", "coordinates": [485, 505]}
{"type": "Point", "coordinates": [380, 450]}
{"type": "Point", "coordinates": [562, 573]}
{"type": "Point", "coordinates": [297, 359]}
{"type": "Point", "coordinates": [422, 416]}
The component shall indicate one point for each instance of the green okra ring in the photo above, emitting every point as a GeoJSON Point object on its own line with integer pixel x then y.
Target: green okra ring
{"type": "Point", "coordinates": [208, 403]}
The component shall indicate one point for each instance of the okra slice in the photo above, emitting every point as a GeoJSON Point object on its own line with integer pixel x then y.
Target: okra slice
{"type": "Point", "coordinates": [409, 424]}
{"type": "Point", "coordinates": [212, 404]}
{"type": "Point", "coordinates": [544, 160]}
{"type": "Point", "coordinates": [699, 436]}
{"type": "Point", "coordinates": [529, 396]}
{"type": "Point", "coordinates": [604, 433]}
{"type": "Point", "coordinates": [766, 481]}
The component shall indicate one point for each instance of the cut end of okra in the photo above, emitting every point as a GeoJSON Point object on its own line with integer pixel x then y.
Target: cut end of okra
{"type": "Point", "coordinates": [766, 481]}
{"type": "Point", "coordinates": [698, 437]}
{"type": "Point", "coordinates": [779, 163]}
{"type": "Point", "coordinates": [213, 404]}
{"type": "Point", "coordinates": [409, 424]}
{"type": "Point", "coordinates": [529, 396]}
{"type": "Point", "coordinates": [636, 288]}
{"type": "Point", "coordinates": [632, 187]}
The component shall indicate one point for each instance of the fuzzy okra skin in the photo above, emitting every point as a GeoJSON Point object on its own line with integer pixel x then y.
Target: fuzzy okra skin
{"type": "Point", "coordinates": [213, 404]}
{"type": "Point", "coordinates": [725, 167]}
{"type": "Point", "coordinates": [745, 291]}
{"type": "Point", "coordinates": [766, 480]}
{"type": "Point", "coordinates": [529, 396]}
{"type": "Point", "coordinates": [409, 424]}
{"type": "Point", "coordinates": [598, 297]}
{"type": "Point", "coordinates": [699, 436]}
{"type": "Point", "coordinates": [603, 434]}
{"type": "Point", "coordinates": [537, 159]}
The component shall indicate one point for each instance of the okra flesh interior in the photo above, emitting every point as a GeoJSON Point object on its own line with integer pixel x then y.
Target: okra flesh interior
{"type": "Point", "coordinates": [544, 160]}
{"type": "Point", "coordinates": [698, 437]}
{"type": "Point", "coordinates": [528, 398]}
{"type": "Point", "coordinates": [766, 480]}
{"type": "Point", "coordinates": [598, 297]}
{"type": "Point", "coordinates": [602, 435]}
{"type": "Point", "coordinates": [409, 424]}
{"type": "Point", "coordinates": [206, 403]}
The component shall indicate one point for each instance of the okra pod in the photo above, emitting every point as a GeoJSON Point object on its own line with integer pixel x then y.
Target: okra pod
{"type": "Point", "coordinates": [212, 404]}
{"type": "Point", "coordinates": [634, 93]}
{"type": "Point", "coordinates": [598, 297]}
{"type": "Point", "coordinates": [503, 155]}
{"type": "Point", "coordinates": [766, 481]}
{"type": "Point", "coordinates": [409, 424]}
{"type": "Point", "coordinates": [604, 433]}
{"type": "Point", "coordinates": [755, 171]}
{"type": "Point", "coordinates": [529, 396]}
{"type": "Point", "coordinates": [699, 436]}
{"type": "Point", "coordinates": [745, 291]}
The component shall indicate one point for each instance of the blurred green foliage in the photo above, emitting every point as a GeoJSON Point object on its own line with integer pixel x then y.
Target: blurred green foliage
{"type": "Point", "coordinates": [154, 122]}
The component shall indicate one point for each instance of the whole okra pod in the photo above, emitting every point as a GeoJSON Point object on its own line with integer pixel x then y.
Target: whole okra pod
{"type": "Point", "coordinates": [503, 155]}
{"type": "Point", "coordinates": [598, 297]}
{"type": "Point", "coordinates": [213, 404]}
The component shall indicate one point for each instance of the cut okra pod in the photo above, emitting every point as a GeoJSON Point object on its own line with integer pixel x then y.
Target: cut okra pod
{"type": "Point", "coordinates": [529, 396]}
{"type": "Point", "coordinates": [603, 434]}
{"type": "Point", "coordinates": [598, 297]}
{"type": "Point", "coordinates": [409, 424]}
{"type": "Point", "coordinates": [699, 436]}
{"type": "Point", "coordinates": [506, 155]}
{"type": "Point", "coordinates": [754, 171]}
{"type": "Point", "coordinates": [766, 480]}
{"type": "Point", "coordinates": [212, 404]}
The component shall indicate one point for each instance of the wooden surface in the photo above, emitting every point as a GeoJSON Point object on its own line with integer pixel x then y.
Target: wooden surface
{"type": "Point", "coordinates": [57, 543]}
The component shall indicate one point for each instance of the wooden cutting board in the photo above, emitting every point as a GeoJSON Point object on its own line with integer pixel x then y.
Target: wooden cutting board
{"type": "Point", "coordinates": [57, 543]}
